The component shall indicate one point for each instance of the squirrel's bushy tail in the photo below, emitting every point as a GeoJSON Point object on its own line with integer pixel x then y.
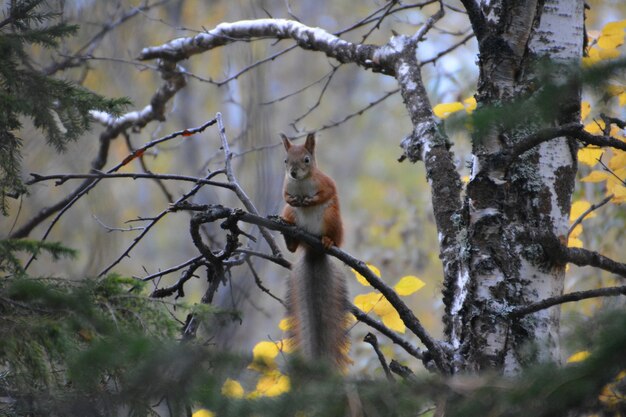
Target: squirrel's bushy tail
{"type": "Point", "coordinates": [317, 306]}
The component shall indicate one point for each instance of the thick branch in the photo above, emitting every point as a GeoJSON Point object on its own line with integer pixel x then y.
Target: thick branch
{"type": "Point", "coordinates": [579, 256]}
{"type": "Point", "coordinates": [306, 37]}
{"type": "Point", "coordinates": [574, 130]}
{"type": "Point", "coordinates": [212, 213]}
{"type": "Point", "coordinates": [476, 17]}
{"type": "Point", "coordinates": [567, 298]}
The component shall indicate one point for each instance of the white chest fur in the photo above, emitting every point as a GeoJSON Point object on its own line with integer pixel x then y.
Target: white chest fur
{"type": "Point", "coordinates": [310, 218]}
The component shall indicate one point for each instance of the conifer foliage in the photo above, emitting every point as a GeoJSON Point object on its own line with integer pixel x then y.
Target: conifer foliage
{"type": "Point", "coordinates": [58, 108]}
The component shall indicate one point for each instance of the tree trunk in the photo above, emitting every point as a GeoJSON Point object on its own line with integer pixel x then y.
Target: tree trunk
{"type": "Point", "coordinates": [510, 206]}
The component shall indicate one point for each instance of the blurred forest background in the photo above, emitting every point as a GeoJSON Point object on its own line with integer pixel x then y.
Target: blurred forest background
{"type": "Point", "coordinates": [360, 120]}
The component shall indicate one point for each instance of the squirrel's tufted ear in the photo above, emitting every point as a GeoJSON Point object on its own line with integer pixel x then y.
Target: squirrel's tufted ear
{"type": "Point", "coordinates": [286, 141]}
{"type": "Point", "coordinates": [310, 143]}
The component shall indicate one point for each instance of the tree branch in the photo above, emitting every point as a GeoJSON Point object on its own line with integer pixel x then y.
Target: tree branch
{"type": "Point", "coordinates": [579, 256]}
{"type": "Point", "coordinates": [306, 37]}
{"type": "Point", "coordinates": [566, 298]}
{"type": "Point", "coordinates": [476, 17]}
{"type": "Point", "coordinates": [391, 335]}
{"type": "Point", "coordinates": [211, 213]}
{"type": "Point", "coordinates": [574, 130]}
{"type": "Point", "coordinates": [586, 213]}
{"type": "Point", "coordinates": [373, 341]}
{"type": "Point", "coordinates": [61, 178]}
{"type": "Point", "coordinates": [174, 81]}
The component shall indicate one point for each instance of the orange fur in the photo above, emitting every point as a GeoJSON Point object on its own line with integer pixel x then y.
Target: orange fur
{"type": "Point", "coordinates": [317, 297]}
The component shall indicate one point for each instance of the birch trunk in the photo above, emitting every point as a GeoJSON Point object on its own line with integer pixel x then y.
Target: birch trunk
{"type": "Point", "coordinates": [507, 204]}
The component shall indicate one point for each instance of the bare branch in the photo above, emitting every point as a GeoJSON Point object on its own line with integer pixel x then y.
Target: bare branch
{"type": "Point", "coordinates": [401, 370]}
{"type": "Point", "coordinates": [476, 17]}
{"type": "Point", "coordinates": [241, 194]}
{"type": "Point", "coordinates": [245, 30]}
{"type": "Point", "coordinates": [447, 50]}
{"type": "Point", "coordinates": [373, 341]}
{"type": "Point", "coordinates": [259, 283]}
{"type": "Point", "coordinates": [579, 256]}
{"type": "Point", "coordinates": [566, 298]}
{"type": "Point", "coordinates": [430, 22]}
{"type": "Point", "coordinates": [178, 287]}
{"type": "Point", "coordinates": [84, 52]}
{"type": "Point", "coordinates": [148, 227]}
{"type": "Point", "coordinates": [574, 130]}
{"type": "Point", "coordinates": [170, 270]}
{"type": "Point", "coordinates": [61, 178]}
{"type": "Point", "coordinates": [211, 213]}
{"type": "Point", "coordinates": [586, 213]}
{"type": "Point", "coordinates": [174, 81]}
{"type": "Point", "coordinates": [375, 324]}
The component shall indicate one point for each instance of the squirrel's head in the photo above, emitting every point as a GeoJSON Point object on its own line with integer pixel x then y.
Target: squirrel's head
{"type": "Point", "coordinates": [300, 159]}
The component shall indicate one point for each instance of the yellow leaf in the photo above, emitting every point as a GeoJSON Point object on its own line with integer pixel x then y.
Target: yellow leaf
{"type": "Point", "coordinates": [366, 302]}
{"type": "Point", "coordinates": [465, 179]}
{"type": "Point", "coordinates": [576, 232]}
{"type": "Point", "coordinates": [273, 384]}
{"type": "Point", "coordinates": [606, 54]}
{"type": "Point", "coordinates": [574, 243]}
{"type": "Point", "coordinates": [408, 285]}
{"type": "Point", "coordinates": [611, 41]}
{"type": "Point", "coordinates": [622, 99]}
{"type": "Point", "coordinates": [263, 355]}
{"type": "Point", "coordinates": [585, 109]}
{"type": "Point", "coordinates": [284, 324]}
{"type": "Point", "coordinates": [595, 127]}
{"type": "Point", "coordinates": [614, 27]}
{"type": "Point", "coordinates": [394, 322]}
{"type": "Point", "coordinates": [444, 110]}
{"type": "Point", "coordinates": [618, 160]}
{"type": "Point", "coordinates": [619, 193]}
{"type": "Point", "coordinates": [470, 104]}
{"type": "Point", "coordinates": [383, 307]}
{"type": "Point", "coordinates": [362, 279]}
{"type": "Point", "coordinates": [614, 90]}
{"type": "Point", "coordinates": [578, 208]}
{"type": "Point", "coordinates": [203, 413]}
{"type": "Point", "coordinates": [596, 176]}
{"type": "Point", "coordinates": [232, 389]}
{"type": "Point", "coordinates": [589, 156]}
{"type": "Point", "coordinates": [578, 356]}
{"type": "Point", "coordinates": [285, 345]}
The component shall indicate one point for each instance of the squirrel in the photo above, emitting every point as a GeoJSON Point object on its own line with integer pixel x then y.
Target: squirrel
{"type": "Point", "coordinates": [317, 296]}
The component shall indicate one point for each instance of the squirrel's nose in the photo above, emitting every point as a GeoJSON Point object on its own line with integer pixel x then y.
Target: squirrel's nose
{"type": "Point", "coordinates": [294, 174]}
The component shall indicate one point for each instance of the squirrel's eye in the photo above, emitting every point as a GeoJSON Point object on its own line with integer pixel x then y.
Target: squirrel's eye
{"type": "Point", "coordinates": [307, 159]}
{"type": "Point", "coordinates": [285, 160]}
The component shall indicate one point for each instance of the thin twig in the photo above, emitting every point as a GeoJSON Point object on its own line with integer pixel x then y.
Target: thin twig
{"type": "Point", "coordinates": [170, 270]}
{"type": "Point", "coordinates": [587, 212]}
{"type": "Point", "coordinates": [61, 178]}
{"type": "Point", "coordinates": [238, 190]}
{"type": "Point", "coordinates": [419, 35]}
{"type": "Point", "coordinates": [259, 283]}
{"type": "Point", "coordinates": [149, 226]}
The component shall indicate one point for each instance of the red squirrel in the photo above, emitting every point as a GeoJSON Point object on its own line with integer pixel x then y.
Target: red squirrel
{"type": "Point", "coordinates": [317, 296]}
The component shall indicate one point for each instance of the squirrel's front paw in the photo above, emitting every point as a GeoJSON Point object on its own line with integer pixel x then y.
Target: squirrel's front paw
{"type": "Point", "coordinates": [292, 200]}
